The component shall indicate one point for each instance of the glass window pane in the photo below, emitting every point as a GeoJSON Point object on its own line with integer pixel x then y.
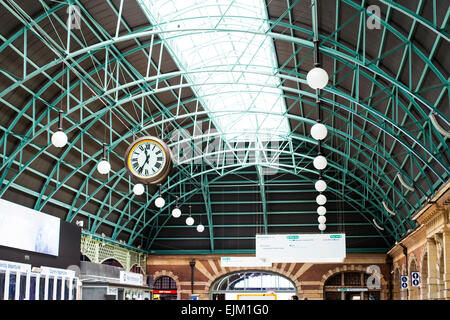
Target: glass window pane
{"type": "Point", "coordinates": [233, 70]}
{"type": "Point", "coordinates": [41, 288]}
{"type": "Point", "coordinates": [352, 278]}
{"type": "Point", "coordinates": [58, 283]}
{"type": "Point", "coordinates": [23, 287]}
{"type": "Point", "coordinates": [12, 286]}
{"type": "Point", "coordinates": [50, 288]}
{"type": "Point", "coordinates": [32, 287]}
{"type": "Point", "coordinates": [2, 284]}
{"type": "Point", "coordinates": [66, 289]}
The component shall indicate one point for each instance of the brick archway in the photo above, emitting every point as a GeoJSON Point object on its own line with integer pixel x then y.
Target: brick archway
{"type": "Point", "coordinates": [347, 268]}
{"type": "Point", "coordinates": [170, 274]}
{"type": "Point", "coordinates": [223, 272]}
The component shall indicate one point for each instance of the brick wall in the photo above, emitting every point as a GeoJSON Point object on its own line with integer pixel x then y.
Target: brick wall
{"type": "Point", "coordinates": [308, 278]}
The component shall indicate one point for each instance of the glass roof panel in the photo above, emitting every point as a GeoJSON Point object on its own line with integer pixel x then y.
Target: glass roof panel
{"type": "Point", "coordinates": [232, 72]}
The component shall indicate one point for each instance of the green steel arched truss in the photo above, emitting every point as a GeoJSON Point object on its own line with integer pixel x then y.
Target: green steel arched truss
{"type": "Point", "coordinates": [424, 148]}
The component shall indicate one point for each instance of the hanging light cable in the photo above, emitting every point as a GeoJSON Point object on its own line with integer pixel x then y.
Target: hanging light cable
{"type": "Point", "coordinates": [59, 138]}
{"type": "Point", "coordinates": [176, 212]}
{"type": "Point", "coordinates": [160, 202]}
{"type": "Point", "coordinates": [190, 220]}
{"type": "Point", "coordinates": [104, 166]}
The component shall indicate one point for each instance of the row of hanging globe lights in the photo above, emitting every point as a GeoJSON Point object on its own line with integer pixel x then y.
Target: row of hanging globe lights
{"type": "Point", "coordinates": [317, 78]}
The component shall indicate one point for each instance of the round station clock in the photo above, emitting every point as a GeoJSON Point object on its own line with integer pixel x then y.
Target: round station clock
{"type": "Point", "coordinates": [148, 160]}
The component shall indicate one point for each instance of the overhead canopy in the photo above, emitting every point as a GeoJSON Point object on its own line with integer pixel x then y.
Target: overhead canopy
{"type": "Point", "coordinates": [224, 84]}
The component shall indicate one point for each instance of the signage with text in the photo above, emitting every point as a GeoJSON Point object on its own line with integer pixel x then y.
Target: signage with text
{"type": "Point", "coordinates": [15, 266]}
{"type": "Point", "coordinates": [314, 248]}
{"type": "Point", "coordinates": [244, 262]}
{"type": "Point", "coordinates": [131, 278]}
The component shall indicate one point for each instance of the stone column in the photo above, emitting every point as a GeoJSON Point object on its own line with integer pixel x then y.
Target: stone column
{"type": "Point", "coordinates": [432, 271]}
{"type": "Point", "coordinates": [446, 253]}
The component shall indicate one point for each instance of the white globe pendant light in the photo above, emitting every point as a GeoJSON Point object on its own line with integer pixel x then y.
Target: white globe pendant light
{"type": "Point", "coordinates": [59, 138]}
{"type": "Point", "coordinates": [103, 167]}
{"type": "Point", "coordinates": [138, 189]}
{"type": "Point", "coordinates": [160, 202]}
{"type": "Point", "coordinates": [321, 199]}
{"type": "Point", "coordinates": [322, 227]}
{"type": "Point", "coordinates": [320, 185]}
{"type": "Point", "coordinates": [189, 221]}
{"type": "Point", "coordinates": [320, 162]}
{"type": "Point", "coordinates": [317, 78]}
{"type": "Point", "coordinates": [319, 131]}
{"type": "Point", "coordinates": [176, 213]}
{"type": "Point", "coordinates": [322, 219]}
{"type": "Point", "coordinates": [321, 210]}
{"type": "Point", "coordinates": [200, 228]}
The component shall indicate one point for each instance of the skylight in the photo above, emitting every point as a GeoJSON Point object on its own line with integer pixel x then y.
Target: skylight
{"type": "Point", "coordinates": [232, 72]}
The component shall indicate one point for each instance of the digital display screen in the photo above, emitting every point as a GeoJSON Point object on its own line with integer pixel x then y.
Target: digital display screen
{"type": "Point", "coordinates": [27, 229]}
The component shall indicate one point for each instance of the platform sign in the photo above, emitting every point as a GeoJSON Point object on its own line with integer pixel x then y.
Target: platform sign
{"type": "Point", "coordinates": [415, 279]}
{"type": "Point", "coordinates": [244, 262]}
{"type": "Point", "coordinates": [296, 248]}
{"type": "Point", "coordinates": [404, 282]}
{"type": "Point", "coordinates": [131, 278]}
{"type": "Point", "coordinates": [15, 266]}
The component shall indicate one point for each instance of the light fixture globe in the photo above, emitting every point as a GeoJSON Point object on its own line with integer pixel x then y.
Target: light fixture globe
{"type": "Point", "coordinates": [200, 228]}
{"type": "Point", "coordinates": [176, 213]}
{"type": "Point", "coordinates": [320, 185]}
{"type": "Point", "coordinates": [321, 199]}
{"type": "Point", "coordinates": [160, 202]}
{"type": "Point", "coordinates": [317, 78]}
{"type": "Point", "coordinates": [103, 167]}
{"type": "Point", "coordinates": [138, 189]}
{"type": "Point", "coordinates": [320, 162]}
{"type": "Point", "coordinates": [189, 221]}
{"type": "Point", "coordinates": [322, 227]}
{"type": "Point", "coordinates": [322, 219]}
{"type": "Point", "coordinates": [319, 131]}
{"type": "Point", "coordinates": [59, 139]}
{"type": "Point", "coordinates": [321, 210]}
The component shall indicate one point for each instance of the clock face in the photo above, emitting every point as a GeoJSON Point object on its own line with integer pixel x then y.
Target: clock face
{"type": "Point", "coordinates": [148, 160]}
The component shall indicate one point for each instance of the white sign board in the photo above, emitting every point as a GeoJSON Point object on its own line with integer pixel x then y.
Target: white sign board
{"type": "Point", "coordinates": [58, 272]}
{"type": "Point", "coordinates": [256, 296]}
{"type": "Point", "coordinates": [14, 266]}
{"type": "Point", "coordinates": [131, 278]}
{"type": "Point", "coordinates": [27, 229]}
{"type": "Point", "coordinates": [244, 262]}
{"type": "Point", "coordinates": [301, 247]}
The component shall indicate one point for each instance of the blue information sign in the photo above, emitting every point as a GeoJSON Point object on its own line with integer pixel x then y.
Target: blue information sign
{"type": "Point", "coordinates": [404, 282]}
{"type": "Point", "coordinates": [415, 279]}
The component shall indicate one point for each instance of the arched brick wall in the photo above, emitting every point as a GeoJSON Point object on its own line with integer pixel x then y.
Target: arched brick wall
{"type": "Point", "coordinates": [175, 278]}
{"type": "Point", "coordinates": [307, 277]}
{"type": "Point", "coordinates": [351, 267]}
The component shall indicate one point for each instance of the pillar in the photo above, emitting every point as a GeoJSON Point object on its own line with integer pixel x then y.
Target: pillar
{"type": "Point", "coordinates": [432, 270]}
{"type": "Point", "coordinates": [446, 253]}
